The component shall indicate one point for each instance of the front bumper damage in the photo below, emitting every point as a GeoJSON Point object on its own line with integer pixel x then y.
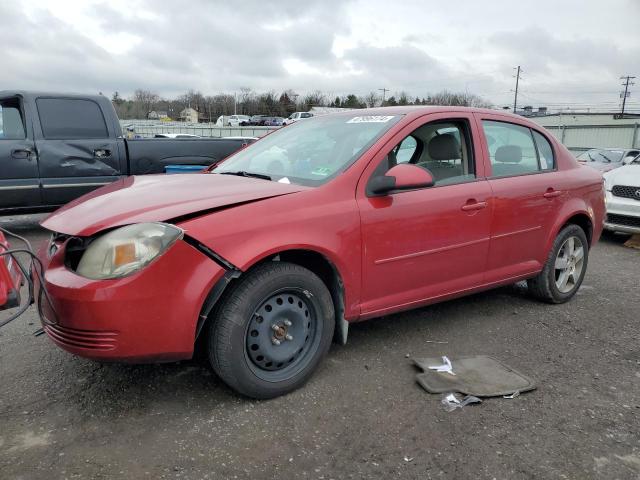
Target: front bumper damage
{"type": "Point", "coordinates": [151, 315]}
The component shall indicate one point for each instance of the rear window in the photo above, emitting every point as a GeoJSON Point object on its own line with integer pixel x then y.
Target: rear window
{"type": "Point", "coordinates": [67, 119]}
{"type": "Point", "coordinates": [11, 122]}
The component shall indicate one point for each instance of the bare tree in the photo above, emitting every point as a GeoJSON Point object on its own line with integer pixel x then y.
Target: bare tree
{"type": "Point", "coordinates": [457, 99]}
{"type": "Point", "coordinates": [144, 102]}
{"type": "Point", "coordinates": [371, 99]}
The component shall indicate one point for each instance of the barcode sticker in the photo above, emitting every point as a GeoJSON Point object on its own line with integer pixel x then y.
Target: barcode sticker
{"type": "Point", "coordinates": [371, 119]}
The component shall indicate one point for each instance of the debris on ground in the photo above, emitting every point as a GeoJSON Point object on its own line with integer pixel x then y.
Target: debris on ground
{"type": "Point", "coordinates": [633, 242]}
{"type": "Point", "coordinates": [480, 376]}
{"type": "Point", "coordinates": [444, 368]}
{"type": "Point", "coordinates": [451, 402]}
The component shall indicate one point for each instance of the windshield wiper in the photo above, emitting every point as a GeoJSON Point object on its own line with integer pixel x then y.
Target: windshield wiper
{"type": "Point", "coordinates": [244, 173]}
{"type": "Point", "coordinates": [604, 156]}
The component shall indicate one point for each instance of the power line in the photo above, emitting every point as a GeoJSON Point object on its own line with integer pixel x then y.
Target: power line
{"type": "Point", "coordinates": [515, 98]}
{"type": "Point", "coordinates": [384, 92]}
{"type": "Point", "coordinates": [626, 92]}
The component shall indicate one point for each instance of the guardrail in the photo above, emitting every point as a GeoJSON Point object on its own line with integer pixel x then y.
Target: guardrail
{"type": "Point", "coordinates": [147, 129]}
{"type": "Point", "coordinates": [577, 138]}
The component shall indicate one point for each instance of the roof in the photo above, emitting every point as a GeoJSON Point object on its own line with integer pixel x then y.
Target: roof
{"type": "Point", "coordinates": [30, 94]}
{"type": "Point", "coordinates": [421, 110]}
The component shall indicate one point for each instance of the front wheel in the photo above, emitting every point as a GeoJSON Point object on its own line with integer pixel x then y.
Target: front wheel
{"type": "Point", "coordinates": [565, 268]}
{"type": "Point", "coordinates": [271, 330]}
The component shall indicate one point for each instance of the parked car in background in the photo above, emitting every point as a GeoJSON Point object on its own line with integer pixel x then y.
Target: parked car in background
{"type": "Point", "coordinates": [274, 121]}
{"type": "Point", "coordinates": [256, 120]}
{"type": "Point", "coordinates": [314, 226]}
{"type": "Point", "coordinates": [238, 120]}
{"type": "Point", "coordinates": [623, 198]}
{"type": "Point", "coordinates": [56, 147]}
{"type": "Point", "coordinates": [605, 159]}
{"type": "Point", "coordinates": [175, 135]}
{"type": "Point", "coordinates": [294, 117]}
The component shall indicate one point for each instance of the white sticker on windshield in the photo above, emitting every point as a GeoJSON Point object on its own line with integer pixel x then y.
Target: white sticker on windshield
{"type": "Point", "coordinates": [284, 180]}
{"type": "Point", "coordinates": [371, 119]}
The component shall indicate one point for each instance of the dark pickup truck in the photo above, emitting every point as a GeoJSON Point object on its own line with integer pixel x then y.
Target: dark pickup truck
{"type": "Point", "coordinates": [56, 147]}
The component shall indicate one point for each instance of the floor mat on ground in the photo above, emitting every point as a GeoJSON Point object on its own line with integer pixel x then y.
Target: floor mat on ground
{"type": "Point", "coordinates": [481, 376]}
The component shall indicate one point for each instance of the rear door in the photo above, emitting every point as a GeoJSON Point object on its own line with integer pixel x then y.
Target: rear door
{"type": "Point", "coordinates": [19, 182]}
{"type": "Point", "coordinates": [527, 189]}
{"type": "Point", "coordinates": [77, 148]}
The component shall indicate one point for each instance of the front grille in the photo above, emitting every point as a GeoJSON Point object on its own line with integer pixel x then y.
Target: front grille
{"type": "Point", "coordinates": [625, 220]}
{"type": "Point", "coordinates": [626, 191]}
{"type": "Point", "coordinates": [87, 339]}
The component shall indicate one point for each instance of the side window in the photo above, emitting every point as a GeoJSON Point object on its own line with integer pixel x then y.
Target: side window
{"type": "Point", "coordinates": [511, 149]}
{"type": "Point", "coordinates": [11, 121]}
{"type": "Point", "coordinates": [444, 148]}
{"type": "Point", "coordinates": [545, 152]}
{"type": "Point", "coordinates": [406, 150]}
{"type": "Point", "coordinates": [70, 119]}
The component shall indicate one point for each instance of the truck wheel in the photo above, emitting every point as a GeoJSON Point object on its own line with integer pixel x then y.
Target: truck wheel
{"type": "Point", "coordinates": [565, 268]}
{"type": "Point", "coordinates": [271, 330]}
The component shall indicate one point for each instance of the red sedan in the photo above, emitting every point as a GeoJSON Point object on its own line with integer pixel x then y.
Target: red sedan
{"type": "Point", "coordinates": [272, 253]}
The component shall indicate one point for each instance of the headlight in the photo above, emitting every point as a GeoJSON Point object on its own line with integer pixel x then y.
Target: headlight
{"type": "Point", "coordinates": [126, 250]}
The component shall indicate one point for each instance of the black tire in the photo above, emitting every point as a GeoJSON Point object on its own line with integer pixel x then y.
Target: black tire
{"type": "Point", "coordinates": [242, 312]}
{"type": "Point", "coordinates": [544, 286]}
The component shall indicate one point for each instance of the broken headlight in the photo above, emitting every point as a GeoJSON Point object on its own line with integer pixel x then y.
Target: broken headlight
{"type": "Point", "coordinates": [126, 250]}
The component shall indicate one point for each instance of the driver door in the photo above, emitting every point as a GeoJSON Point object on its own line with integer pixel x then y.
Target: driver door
{"type": "Point", "coordinates": [425, 243]}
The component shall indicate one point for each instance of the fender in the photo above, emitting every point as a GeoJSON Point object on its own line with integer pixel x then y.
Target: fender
{"type": "Point", "coordinates": [574, 206]}
{"type": "Point", "coordinates": [250, 233]}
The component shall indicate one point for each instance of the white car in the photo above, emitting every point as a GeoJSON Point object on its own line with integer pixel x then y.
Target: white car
{"type": "Point", "coordinates": [294, 117]}
{"type": "Point", "coordinates": [238, 120]}
{"type": "Point", "coordinates": [175, 135]}
{"type": "Point", "coordinates": [623, 198]}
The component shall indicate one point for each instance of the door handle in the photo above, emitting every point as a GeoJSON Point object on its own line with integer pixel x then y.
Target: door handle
{"type": "Point", "coordinates": [472, 205]}
{"type": "Point", "coordinates": [551, 193]}
{"type": "Point", "coordinates": [101, 153]}
{"type": "Point", "coordinates": [21, 153]}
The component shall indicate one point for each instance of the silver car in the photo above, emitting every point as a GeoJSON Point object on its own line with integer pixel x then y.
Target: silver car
{"type": "Point", "coordinates": [623, 198]}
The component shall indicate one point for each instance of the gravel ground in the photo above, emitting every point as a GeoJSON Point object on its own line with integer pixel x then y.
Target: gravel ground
{"type": "Point", "coordinates": [362, 415]}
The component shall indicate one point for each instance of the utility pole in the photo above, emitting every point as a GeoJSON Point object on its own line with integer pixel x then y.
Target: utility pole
{"type": "Point", "coordinates": [626, 93]}
{"type": "Point", "coordinates": [515, 99]}
{"type": "Point", "coordinates": [384, 92]}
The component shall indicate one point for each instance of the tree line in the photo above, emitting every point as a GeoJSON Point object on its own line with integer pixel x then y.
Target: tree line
{"type": "Point", "coordinates": [248, 102]}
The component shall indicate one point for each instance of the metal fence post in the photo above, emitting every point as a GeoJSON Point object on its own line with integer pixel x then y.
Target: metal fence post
{"type": "Point", "coordinates": [634, 138]}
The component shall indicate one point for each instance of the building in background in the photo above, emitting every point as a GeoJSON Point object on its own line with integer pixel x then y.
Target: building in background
{"type": "Point", "coordinates": [189, 115]}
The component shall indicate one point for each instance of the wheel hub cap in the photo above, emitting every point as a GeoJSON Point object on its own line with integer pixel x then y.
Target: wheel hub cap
{"type": "Point", "coordinates": [569, 263]}
{"type": "Point", "coordinates": [280, 331]}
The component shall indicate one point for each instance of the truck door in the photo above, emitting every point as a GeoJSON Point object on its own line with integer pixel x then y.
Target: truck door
{"type": "Point", "coordinates": [19, 182]}
{"type": "Point", "coordinates": [77, 148]}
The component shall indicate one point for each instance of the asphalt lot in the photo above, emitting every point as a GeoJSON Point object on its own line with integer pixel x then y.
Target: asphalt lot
{"type": "Point", "coordinates": [362, 415]}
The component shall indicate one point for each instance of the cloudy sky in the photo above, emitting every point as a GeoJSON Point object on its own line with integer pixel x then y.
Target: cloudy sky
{"type": "Point", "coordinates": [572, 52]}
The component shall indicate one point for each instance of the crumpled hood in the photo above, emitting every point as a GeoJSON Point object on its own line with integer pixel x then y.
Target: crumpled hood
{"type": "Point", "coordinates": [154, 198]}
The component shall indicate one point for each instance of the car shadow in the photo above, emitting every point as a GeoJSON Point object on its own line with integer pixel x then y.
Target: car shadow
{"type": "Point", "coordinates": [111, 389]}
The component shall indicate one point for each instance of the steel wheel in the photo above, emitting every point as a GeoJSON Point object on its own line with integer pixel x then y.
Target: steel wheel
{"type": "Point", "coordinates": [569, 264]}
{"type": "Point", "coordinates": [282, 335]}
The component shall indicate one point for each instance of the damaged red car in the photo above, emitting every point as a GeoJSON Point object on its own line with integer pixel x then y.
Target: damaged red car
{"type": "Point", "coordinates": [272, 253]}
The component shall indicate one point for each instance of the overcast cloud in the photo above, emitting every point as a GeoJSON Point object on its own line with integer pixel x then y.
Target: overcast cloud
{"type": "Point", "coordinates": [572, 52]}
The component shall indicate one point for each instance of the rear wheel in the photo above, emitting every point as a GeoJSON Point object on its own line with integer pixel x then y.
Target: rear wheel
{"type": "Point", "coordinates": [271, 330]}
{"type": "Point", "coordinates": [565, 268]}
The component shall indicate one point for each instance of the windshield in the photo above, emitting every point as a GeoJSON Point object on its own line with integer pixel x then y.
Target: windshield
{"type": "Point", "coordinates": [601, 156]}
{"type": "Point", "coordinates": [310, 152]}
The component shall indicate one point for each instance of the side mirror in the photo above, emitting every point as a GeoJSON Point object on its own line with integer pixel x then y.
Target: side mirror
{"type": "Point", "coordinates": [405, 176]}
